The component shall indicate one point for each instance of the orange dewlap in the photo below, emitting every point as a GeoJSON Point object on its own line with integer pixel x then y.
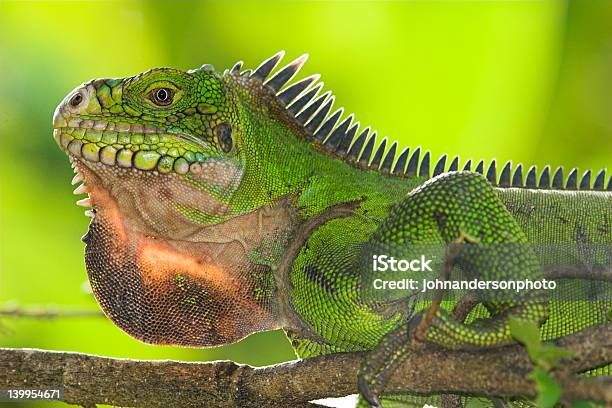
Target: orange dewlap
{"type": "Point", "coordinates": [158, 261]}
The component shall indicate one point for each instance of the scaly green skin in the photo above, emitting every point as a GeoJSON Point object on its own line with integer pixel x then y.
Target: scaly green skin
{"type": "Point", "coordinates": [200, 198]}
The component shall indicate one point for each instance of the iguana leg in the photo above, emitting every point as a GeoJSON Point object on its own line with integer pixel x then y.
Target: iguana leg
{"type": "Point", "coordinates": [457, 207]}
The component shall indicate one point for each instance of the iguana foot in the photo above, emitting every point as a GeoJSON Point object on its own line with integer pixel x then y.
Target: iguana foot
{"type": "Point", "coordinates": [380, 363]}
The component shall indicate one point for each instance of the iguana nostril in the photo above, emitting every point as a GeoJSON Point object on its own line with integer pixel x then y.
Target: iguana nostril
{"type": "Point", "coordinates": [76, 100]}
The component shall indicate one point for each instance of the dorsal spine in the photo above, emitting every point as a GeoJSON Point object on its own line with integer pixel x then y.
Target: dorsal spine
{"type": "Point", "coordinates": [336, 136]}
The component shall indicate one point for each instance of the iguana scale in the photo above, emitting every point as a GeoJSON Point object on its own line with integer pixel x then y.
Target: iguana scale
{"type": "Point", "coordinates": [226, 203]}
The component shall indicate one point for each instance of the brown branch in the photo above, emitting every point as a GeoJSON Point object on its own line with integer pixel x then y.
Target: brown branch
{"type": "Point", "coordinates": [498, 373]}
{"type": "Point", "coordinates": [596, 272]}
{"type": "Point", "coordinates": [48, 312]}
{"type": "Point", "coordinates": [501, 372]}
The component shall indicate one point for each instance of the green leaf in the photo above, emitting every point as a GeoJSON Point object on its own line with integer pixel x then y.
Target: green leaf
{"type": "Point", "coordinates": [543, 355]}
{"type": "Point", "coordinates": [548, 356]}
{"type": "Point", "coordinates": [549, 391]}
{"type": "Point", "coordinates": [528, 333]}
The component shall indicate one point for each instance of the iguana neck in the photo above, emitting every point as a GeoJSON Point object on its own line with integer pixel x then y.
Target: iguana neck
{"type": "Point", "coordinates": [282, 162]}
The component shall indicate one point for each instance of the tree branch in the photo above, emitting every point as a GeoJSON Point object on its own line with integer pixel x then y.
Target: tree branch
{"type": "Point", "coordinates": [48, 312]}
{"type": "Point", "coordinates": [501, 372]}
{"type": "Point", "coordinates": [88, 380]}
{"type": "Point", "coordinates": [595, 272]}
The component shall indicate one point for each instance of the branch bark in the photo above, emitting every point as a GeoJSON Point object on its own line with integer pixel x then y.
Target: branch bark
{"type": "Point", "coordinates": [48, 312]}
{"type": "Point", "coordinates": [501, 372]}
{"type": "Point", "coordinates": [88, 380]}
{"type": "Point", "coordinates": [596, 272]}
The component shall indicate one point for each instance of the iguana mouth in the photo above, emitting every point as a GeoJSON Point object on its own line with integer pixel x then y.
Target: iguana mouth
{"type": "Point", "coordinates": [146, 148]}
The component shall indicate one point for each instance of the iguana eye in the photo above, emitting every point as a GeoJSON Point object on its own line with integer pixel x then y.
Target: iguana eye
{"type": "Point", "coordinates": [161, 96]}
{"type": "Point", "coordinates": [76, 100]}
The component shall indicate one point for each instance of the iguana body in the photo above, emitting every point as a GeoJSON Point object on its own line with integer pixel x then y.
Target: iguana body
{"type": "Point", "coordinates": [225, 204]}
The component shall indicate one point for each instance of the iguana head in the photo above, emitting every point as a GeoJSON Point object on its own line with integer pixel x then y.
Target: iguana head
{"type": "Point", "coordinates": [165, 135]}
{"type": "Point", "coordinates": [178, 226]}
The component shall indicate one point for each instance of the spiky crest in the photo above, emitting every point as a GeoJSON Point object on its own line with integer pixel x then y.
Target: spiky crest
{"type": "Point", "coordinates": [335, 135]}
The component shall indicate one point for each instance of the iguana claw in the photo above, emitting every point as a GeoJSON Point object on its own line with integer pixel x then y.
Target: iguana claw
{"type": "Point", "coordinates": [364, 390]}
{"type": "Point", "coordinates": [382, 361]}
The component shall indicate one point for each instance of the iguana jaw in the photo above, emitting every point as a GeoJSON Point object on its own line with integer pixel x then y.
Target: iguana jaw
{"type": "Point", "coordinates": [168, 205]}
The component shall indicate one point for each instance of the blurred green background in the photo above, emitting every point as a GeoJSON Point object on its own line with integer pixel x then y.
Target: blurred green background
{"type": "Point", "coordinates": [529, 81]}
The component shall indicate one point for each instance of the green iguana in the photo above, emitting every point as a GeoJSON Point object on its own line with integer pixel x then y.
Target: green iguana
{"type": "Point", "coordinates": [224, 204]}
